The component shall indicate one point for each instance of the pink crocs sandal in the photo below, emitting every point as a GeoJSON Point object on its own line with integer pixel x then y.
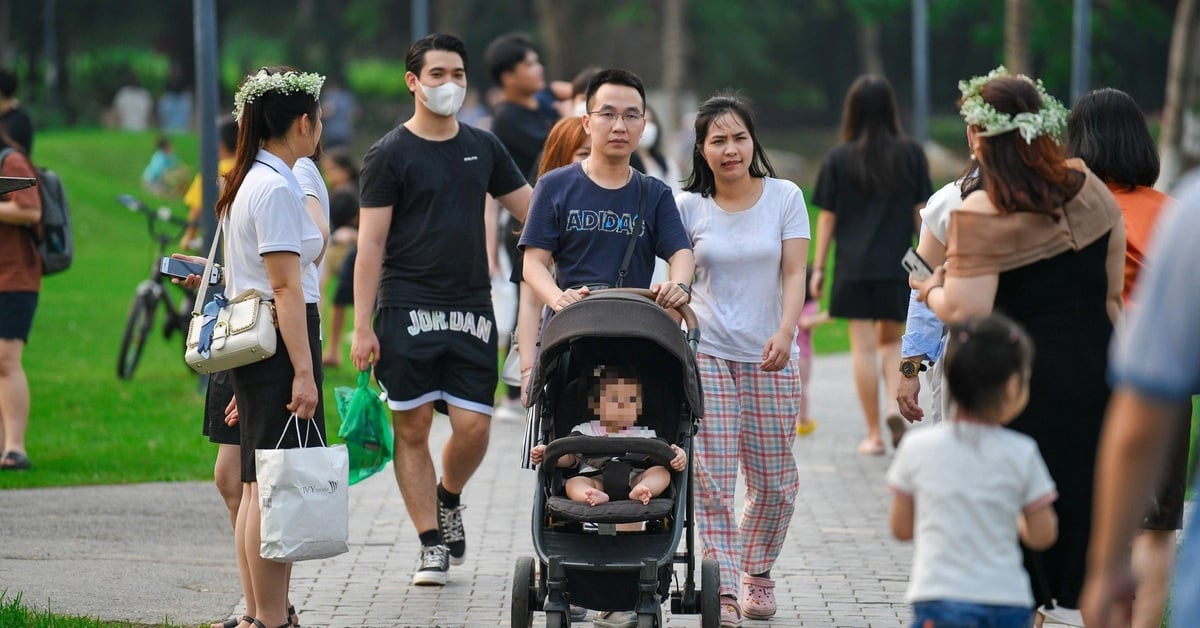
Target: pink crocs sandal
{"type": "Point", "coordinates": [731, 612]}
{"type": "Point", "coordinates": [758, 597]}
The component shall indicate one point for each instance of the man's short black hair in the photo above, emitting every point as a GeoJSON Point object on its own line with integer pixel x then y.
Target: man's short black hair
{"type": "Point", "coordinates": [505, 53]}
{"type": "Point", "coordinates": [8, 83]}
{"type": "Point", "coordinates": [415, 60]}
{"type": "Point", "coordinates": [615, 76]}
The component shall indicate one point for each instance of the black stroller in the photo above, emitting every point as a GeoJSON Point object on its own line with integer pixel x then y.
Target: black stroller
{"type": "Point", "coordinates": [582, 558]}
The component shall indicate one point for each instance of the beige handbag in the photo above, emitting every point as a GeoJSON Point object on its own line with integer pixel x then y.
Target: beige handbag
{"type": "Point", "coordinates": [226, 334]}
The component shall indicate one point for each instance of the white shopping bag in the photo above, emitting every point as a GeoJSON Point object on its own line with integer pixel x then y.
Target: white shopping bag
{"type": "Point", "coordinates": [304, 500]}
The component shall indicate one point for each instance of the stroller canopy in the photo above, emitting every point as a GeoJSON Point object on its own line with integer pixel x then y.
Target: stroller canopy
{"type": "Point", "coordinates": [617, 315]}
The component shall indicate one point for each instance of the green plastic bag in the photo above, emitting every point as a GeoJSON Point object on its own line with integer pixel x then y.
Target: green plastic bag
{"type": "Point", "coordinates": [366, 428]}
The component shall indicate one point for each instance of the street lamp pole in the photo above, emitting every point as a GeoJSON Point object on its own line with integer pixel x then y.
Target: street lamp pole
{"type": "Point", "coordinates": [920, 51]}
{"type": "Point", "coordinates": [1081, 50]}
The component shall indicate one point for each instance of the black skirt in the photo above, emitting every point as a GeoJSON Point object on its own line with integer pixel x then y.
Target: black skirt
{"type": "Point", "coordinates": [264, 389]}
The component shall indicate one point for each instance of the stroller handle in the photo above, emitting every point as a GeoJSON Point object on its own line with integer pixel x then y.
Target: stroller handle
{"type": "Point", "coordinates": [689, 317]}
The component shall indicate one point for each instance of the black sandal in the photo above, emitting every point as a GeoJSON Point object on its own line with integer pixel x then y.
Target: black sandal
{"type": "Point", "coordinates": [234, 622]}
{"type": "Point", "coordinates": [14, 461]}
{"type": "Point", "coordinates": [293, 617]}
{"type": "Point", "coordinates": [259, 624]}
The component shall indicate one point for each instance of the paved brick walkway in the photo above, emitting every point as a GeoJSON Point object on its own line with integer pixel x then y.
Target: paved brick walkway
{"type": "Point", "coordinates": [840, 566]}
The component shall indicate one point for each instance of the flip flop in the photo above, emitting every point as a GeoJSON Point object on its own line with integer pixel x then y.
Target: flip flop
{"type": "Point", "coordinates": [897, 426]}
{"type": "Point", "coordinates": [871, 447]}
{"type": "Point", "coordinates": [14, 461]}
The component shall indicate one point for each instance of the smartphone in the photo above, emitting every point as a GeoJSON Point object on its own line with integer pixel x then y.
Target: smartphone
{"type": "Point", "coordinates": [180, 269]}
{"type": "Point", "coordinates": [916, 266]}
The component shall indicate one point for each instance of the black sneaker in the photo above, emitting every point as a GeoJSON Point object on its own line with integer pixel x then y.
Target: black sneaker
{"type": "Point", "coordinates": [450, 526]}
{"type": "Point", "coordinates": [435, 563]}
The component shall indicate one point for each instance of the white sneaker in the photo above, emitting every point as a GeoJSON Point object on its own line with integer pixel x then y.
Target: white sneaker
{"type": "Point", "coordinates": [435, 565]}
{"type": "Point", "coordinates": [509, 412]}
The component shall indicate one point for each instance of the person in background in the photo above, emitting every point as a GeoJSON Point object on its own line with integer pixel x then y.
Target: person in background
{"type": "Point", "coordinates": [341, 170]}
{"type": "Point", "coordinates": [870, 189]}
{"type": "Point", "coordinates": [227, 135]}
{"type": "Point", "coordinates": [521, 122]}
{"type": "Point", "coordinates": [750, 233]}
{"type": "Point", "coordinates": [175, 104]}
{"type": "Point", "coordinates": [963, 490]}
{"type": "Point", "coordinates": [132, 105]}
{"type": "Point", "coordinates": [20, 283]}
{"type": "Point", "coordinates": [1043, 242]}
{"type": "Point", "coordinates": [339, 111]}
{"type": "Point", "coordinates": [810, 317]}
{"type": "Point", "coordinates": [14, 117]}
{"type": "Point", "coordinates": [1108, 131]}
{"type": "Point", "coordinates": [163, 174]}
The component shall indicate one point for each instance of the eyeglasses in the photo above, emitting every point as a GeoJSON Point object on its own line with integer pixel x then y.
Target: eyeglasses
{"type": "Point", "coordinates": [611, 117]}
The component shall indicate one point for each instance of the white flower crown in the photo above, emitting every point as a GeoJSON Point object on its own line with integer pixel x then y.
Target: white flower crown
{"type": "Point", "coordinates": [1050, 120]}
{"type": "Point", "coordinates": [283, 82]}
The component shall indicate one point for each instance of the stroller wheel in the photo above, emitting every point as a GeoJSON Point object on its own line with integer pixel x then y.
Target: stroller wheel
{"type": "Point", "coordinates": [524, 593]}
{"type": "Point", "coordinates": [710, 594]}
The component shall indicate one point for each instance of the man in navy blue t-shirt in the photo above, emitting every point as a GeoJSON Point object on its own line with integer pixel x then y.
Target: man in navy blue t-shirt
{"type": "Point", "coordinates": [582, 216]}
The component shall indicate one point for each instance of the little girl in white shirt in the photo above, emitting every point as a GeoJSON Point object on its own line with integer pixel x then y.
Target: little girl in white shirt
{"type": "Point", "coordinates": [966, 491]}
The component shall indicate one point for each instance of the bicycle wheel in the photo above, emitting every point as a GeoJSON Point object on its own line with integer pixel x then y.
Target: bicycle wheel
{"type": "Point", "coordinates": [137, 329]}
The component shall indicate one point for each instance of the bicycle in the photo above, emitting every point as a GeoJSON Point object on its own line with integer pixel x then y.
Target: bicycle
{"type": "Point", "coordinates": [152, 290]}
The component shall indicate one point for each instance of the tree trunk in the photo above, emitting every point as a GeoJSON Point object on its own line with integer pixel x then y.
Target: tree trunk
{"type": "Point", "coordinates": [674, 55]}
{"type": "Point", "coordinates": [868, 47]}
{"type": "Point", "coordinates": [1182, 70]}
{"type": "Point", "coordinates": [1016, 36]}
{"type": "Point", "coordinates": [552, 18]}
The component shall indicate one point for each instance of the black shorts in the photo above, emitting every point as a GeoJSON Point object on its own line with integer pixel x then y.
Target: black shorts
{"type": "Point", "coordinates": [216, 399]}
{"type": "Point", "coordinates": [429, 354]}
{"type": "Point", "coordinates": [16, 315]}
{"type": "Point", "coordinates": [344, 295]}
{"type": "Point", "coordinates": [1166, 510]}
{"type": "Point", "coordinates": [263, 391]}
{"type": "Point", "coordinates": [870, 299]}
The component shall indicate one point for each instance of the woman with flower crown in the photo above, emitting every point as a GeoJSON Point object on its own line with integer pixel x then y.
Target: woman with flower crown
{"type": "Point", "coordinates": [1044, 242]}
{"type": "Point", "coordinates": [271, 246]}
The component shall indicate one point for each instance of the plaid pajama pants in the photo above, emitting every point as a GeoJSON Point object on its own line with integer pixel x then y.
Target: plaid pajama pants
{"type": "Point", "coordinates": [749, 417]}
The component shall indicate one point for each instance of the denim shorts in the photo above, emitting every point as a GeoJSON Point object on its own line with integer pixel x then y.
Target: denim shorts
{"type": "Point", "coordinates": [949, 614]}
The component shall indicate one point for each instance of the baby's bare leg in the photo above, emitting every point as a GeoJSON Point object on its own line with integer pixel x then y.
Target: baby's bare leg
{"type": "Point", "coordinates": [584, 489]}
{"type": "Point", "coordinates": [650, 483]}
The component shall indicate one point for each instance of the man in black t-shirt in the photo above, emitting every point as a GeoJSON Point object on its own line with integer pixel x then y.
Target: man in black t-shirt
{"type": "Point", "coordinates": [422, 272]}
{"type": "Point", "coordinates": [14, 119]}
{"type": "Point", "coordinates": [521, 122]}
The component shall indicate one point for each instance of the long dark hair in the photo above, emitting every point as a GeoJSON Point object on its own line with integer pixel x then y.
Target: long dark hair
{"type": "Point", "coordinates": [1022, 176]}
{"type": "Point", "coordinates": [871, 130]}
{"type": "Point", "coordinates": [702, 179]}
{"type": "Point", "coordinates": [267, 117]}
{"type": "Point", "coordinates": [1107, 130]}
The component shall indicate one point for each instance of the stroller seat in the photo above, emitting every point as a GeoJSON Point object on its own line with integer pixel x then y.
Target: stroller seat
{"type": "Point", "coordinates": [652, 451]}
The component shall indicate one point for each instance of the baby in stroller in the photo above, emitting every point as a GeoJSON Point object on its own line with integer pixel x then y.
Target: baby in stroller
{"type": "Point", "coordinates": [615, 399]}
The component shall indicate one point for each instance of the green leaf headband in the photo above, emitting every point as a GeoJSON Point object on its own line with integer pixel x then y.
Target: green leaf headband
{"type": "Point", "coordinates": [1050, 120]}
{"type": "Point", "coordinates": [283, 82]}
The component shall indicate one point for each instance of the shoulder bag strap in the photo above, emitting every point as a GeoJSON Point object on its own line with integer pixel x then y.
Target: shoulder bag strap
{"type": "Point", "coordinates": [637, 226]}
{"type": "Point", "coordinates": [208, 268]}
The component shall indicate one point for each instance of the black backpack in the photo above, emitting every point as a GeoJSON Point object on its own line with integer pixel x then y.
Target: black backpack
{"type": "Point", "coordinates": [57, 245]}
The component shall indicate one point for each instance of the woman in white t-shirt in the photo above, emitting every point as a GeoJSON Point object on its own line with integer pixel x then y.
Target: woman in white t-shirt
{"type": "Point", "coordinates": [965, 490]}
{"type": "Point", "coordinates": [273, 246]}
{"type": "Point", "coordinates": [750, 234]}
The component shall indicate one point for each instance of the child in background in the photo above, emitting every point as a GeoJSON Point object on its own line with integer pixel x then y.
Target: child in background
{"type": "Point", "coordinates": [164, 174]}
{"type": "Point", "coordinates": [615, 398]}
{"type": "Point", "coordinates": [966, 490]}
{"type": "Point", "coordinates": [810, 316]}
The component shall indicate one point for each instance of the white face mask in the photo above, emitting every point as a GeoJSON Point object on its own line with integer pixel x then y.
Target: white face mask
{"type": "Point", "coordinates": [649, 135]}
{"type": "Point", "coordinates": [445, 99]}
{"type": "Point", "coordinates": [580, 108]}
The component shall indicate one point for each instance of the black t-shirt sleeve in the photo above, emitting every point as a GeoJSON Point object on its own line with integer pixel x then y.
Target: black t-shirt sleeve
{"type": "Point", "coordinates": [506, 177]}
{"type": "Point", "coordinates": [825, 194]}
{"type": "Point", "coordinates": [377, 183]}
{"type": "Point", "coordinates": [924, 187]}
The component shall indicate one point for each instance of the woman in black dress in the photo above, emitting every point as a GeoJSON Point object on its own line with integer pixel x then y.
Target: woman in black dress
{"type": "Point", "coordinates": [1043, 242]}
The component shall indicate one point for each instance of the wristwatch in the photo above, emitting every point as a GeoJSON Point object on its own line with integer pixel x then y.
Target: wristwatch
{"type": "Point", "coordinates": [910, 367]}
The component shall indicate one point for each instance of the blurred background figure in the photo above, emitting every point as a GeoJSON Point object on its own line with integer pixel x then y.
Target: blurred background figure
{"type": "Point", "coordinates": [339, 113]}
{"type": "Point", "coordinates": [132, 105]}
{"type": "Point", "coordinates": [341, 171]}
{"type": "Point", "coordinates": [175, 105]}
{"type": "Point", "coordinates": [15, 118]}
